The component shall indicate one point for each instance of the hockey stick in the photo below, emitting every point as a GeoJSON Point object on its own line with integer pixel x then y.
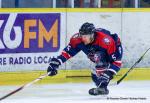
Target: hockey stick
{"type": "Point", "coordinates": [25, 85]}
{"type": "Point", "coordinates": [125, 75]}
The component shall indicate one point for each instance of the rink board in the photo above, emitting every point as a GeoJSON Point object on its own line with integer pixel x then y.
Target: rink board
{"type": "Point", "coordinates": [122, 21]}
{"type": "Point", "coordinates": [64, 76]}
{"type": "Point", "coordinates": [69, 16]}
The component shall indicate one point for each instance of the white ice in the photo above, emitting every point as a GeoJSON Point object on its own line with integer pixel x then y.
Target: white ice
{"type": "Point", "coordinates": [126, 92]}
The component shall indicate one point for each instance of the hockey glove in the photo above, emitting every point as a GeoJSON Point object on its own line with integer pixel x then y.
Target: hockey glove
{"type": "Point", "coordinates": [53, 66]}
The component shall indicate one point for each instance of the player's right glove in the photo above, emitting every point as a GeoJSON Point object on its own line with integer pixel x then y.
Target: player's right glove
{"type": "Point", "coordinates": [53, 66]}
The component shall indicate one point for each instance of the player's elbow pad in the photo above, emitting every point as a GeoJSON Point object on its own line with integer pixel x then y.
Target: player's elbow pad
{"type": "Point", "coordinates": [113, 68]}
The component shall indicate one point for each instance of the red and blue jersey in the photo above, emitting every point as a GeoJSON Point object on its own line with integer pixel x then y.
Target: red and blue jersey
{"type": "Point", "coordinates": [104, 42]}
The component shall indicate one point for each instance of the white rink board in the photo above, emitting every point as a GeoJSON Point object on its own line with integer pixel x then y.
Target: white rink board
{"type": "Point", "coordinates": [136, 37]}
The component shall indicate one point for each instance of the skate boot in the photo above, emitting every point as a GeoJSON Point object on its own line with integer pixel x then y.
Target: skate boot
{"type": "Point", "coordinates": [98, 91]}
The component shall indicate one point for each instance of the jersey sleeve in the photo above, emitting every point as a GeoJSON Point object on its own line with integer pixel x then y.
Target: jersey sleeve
{"type": "Point", "coordinates": [114, 57]}
{"type": "Point", "coordinates": [71, 49]}
{"type": "Point", "coordinates": [114, 54]}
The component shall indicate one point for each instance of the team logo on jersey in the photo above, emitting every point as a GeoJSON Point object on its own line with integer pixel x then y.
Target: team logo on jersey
{"type": "Point", "coordinates": [106, 41]}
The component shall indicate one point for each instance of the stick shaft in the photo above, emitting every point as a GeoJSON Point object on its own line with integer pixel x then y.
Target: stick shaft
{"type": "Point", "coordinates": [133, 66]}
{"type": "Point", "coordinates": [25, 85]}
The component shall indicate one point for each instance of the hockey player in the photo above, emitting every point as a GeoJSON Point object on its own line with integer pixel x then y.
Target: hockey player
{"type": "Point", "coordinates": [101, 47]}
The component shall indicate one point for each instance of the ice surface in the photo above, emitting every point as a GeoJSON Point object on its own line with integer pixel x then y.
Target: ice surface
{"type": "Point", "coordinates": [126, 92]}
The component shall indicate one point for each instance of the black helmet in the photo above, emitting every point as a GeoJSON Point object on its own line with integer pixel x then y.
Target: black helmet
{"type": "Point", "coordinates": [87, 29]}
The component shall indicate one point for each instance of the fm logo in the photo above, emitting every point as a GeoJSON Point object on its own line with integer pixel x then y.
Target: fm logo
{"type": "Point", "coordinates": [29, 32]}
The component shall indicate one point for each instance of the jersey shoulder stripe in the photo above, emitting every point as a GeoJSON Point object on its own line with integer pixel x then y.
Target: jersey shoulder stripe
{"type": "Point", "coordinates": [75, 40]}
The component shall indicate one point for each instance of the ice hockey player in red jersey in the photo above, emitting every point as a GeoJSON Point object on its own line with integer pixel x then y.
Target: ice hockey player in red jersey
{"type": "Point", "coordinates": [101, 47]}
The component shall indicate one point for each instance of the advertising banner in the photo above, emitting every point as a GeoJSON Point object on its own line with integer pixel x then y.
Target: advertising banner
{"type": "Point", "coordinates": [29, 40]}
{"type": "Point", "coordinates": [29, 33]}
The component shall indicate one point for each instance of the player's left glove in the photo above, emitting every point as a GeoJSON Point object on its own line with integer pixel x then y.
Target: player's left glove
{"type": "Point", "coordinates": [53, 66]}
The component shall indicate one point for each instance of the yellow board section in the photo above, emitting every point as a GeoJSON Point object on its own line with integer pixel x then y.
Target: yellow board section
{"type": "Point", "coordinates": [42, 10]}
{"type": "Point", "coordinates": [64, 76]}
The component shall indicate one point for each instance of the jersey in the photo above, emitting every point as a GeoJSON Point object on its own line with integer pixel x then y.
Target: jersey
{"type": "Point", "coordinates": [105, 42]}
